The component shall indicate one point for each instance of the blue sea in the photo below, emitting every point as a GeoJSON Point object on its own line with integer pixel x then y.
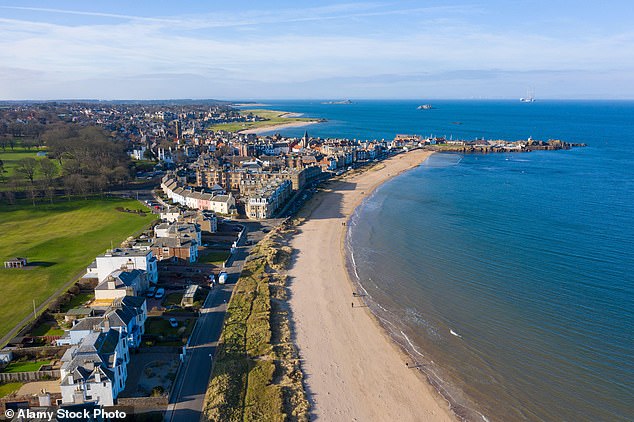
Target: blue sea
{"type": "Point", "coordinates": [507, 277]}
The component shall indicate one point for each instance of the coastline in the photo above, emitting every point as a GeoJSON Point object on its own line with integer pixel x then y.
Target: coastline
{"type": "Point", "coordinates": [353, 370]}
{"type": "Point", "coordinates": [263, 129]}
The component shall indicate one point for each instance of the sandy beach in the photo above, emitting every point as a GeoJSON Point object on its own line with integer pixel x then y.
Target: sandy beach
{"type": "Point", "coordinates": [263, 129]}
{"type": "Point", "coordinates": [352, 370]}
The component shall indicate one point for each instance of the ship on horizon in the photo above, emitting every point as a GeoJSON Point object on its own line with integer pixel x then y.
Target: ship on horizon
{"type": "Point", "coordinates": [530, 97]}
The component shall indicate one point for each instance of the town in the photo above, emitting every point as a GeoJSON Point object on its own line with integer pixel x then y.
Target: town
{"type": "Point", "coordinates": [127, 331]}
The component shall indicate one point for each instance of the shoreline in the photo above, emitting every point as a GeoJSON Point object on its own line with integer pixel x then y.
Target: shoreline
{"type": "Point", "coordinates": [353, 369]}
{"type": "Point", "coordinates": [263, 129]}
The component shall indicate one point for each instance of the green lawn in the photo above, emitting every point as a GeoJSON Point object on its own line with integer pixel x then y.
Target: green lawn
{"type": "Point", "coordinates": [10, 387]}
{"type": "Point", "coordinates": [161, 327]}
{"type": "Point", "coordinates": [216, 258]}
{"type": "Point", "coordinates": [173, 299]}
{"type": "Point", "coordinates": [25, 366]}
{"type": "Point", "coordinates": [77, 301]}
{"type": "Point", "coordinates": [272, 117]}
{"type": "Point", "coordinates": [47, 329]}
{"type": "Point", "coordinates": [61, 239]}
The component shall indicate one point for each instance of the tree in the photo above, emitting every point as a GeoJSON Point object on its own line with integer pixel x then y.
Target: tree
{"type": "Point", "coordinates": [27, 167]}
{"type": "Point", "coordinates": [49, 170]}
{"type": "Point", "coordinates": [28, 143]}
{"type": "Point", "coordinates": [149, 155]}
{"type": "Point", "coordinates": [2, 170]}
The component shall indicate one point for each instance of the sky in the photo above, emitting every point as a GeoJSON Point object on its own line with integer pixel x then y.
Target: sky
{"type": "Point", "coordinates": [316, 50]}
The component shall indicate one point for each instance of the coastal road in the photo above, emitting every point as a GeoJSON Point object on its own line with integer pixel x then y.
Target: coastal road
{"type": "Point", "coordinates": [186, 401]}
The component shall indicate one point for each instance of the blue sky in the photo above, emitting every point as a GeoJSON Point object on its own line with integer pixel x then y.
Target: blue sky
{"type": "Point", "coordinates": [326, 49]}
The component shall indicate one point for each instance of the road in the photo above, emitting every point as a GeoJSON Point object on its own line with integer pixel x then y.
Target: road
{"type": "Point", "coordinates": [186, 401]}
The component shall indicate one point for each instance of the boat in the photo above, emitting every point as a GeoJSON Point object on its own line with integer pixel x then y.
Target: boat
{"type": "Point", "coordinates": [530, 97]}
{"type": "Point", "coordinates": [425, 107]}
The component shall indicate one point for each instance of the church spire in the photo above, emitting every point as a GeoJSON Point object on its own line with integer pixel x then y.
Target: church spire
{"type": "Point", "coordinates": [305, 140]}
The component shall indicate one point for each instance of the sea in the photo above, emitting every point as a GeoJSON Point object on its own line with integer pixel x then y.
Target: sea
{"type": "Point", "coordinates": [507, 277]}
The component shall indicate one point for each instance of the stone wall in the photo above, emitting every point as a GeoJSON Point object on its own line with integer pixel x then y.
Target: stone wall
{"type": "Point", "coordinates": [29, 376]}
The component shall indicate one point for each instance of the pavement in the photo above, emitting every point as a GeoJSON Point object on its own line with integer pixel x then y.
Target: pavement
{"type": "Point", "coordinates": [187, 398]}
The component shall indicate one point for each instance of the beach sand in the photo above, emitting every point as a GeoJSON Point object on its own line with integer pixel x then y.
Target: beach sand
{"type": "Point", "coordinates": [353, 371]}
{"type": "Point", "coordinates": [263, 129]}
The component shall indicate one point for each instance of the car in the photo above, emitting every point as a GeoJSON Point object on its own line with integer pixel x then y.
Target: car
{"type": "Point", "coordinates": [159, 293]}
{"type": "Point", "coordinates": [151, 291]}
{"type": "Point", "coordinates": [173, 322]}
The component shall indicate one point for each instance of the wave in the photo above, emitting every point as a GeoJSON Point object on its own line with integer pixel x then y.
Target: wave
{"type": "Point", "coordinates": [412, 344]}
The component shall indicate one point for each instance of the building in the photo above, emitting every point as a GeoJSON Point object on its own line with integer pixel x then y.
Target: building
{"type": "Point", "coordinates": [16, 263]}
{"type": "Point", "coordinates": [122, 283]}
{"type": "Point", "coordinates": [189, 296]}
{"type": "Point", "coordinates": [176, 229]}
{"type": "Point", "coordinates": [178, 248]}
{"type": "Point", "coordinates": [262, 202]}
{"type": "Point", "coordinates": [95, 370]}
{"type": "Point", "coordinates": [125, 259]}
{"type": "Point", "coordinates": [223, 204]}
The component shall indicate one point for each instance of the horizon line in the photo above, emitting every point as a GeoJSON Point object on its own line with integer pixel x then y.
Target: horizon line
{"type": "Point", "coordinates": [244, 100]}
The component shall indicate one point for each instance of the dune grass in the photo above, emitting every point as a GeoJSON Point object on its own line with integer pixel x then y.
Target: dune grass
{"type": "Point", "coordinates": [256, 374]}
{"type": "Point", "coordinates": [60, 240]}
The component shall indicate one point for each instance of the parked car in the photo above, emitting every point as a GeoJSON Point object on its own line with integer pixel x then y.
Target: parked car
{"type": "Point", "coordinates": [173, 322]}
{"type": "Point", "coordinates": [222, 277]}
{"type": "Point", "coordinates": [151, 291]}
{"type": "Point", "coordinates": [160, 293]}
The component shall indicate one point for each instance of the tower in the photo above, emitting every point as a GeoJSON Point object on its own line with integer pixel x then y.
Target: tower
{"type": "Point", "coordinates": [305, 138]}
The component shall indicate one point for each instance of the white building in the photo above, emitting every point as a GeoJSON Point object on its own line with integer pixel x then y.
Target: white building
{"type": "Point", "coordinates": [127, 259]}
{"type": "Point", "coordinates": [223, 204]}
{"type": "Point", "coordinates": [95, 370]}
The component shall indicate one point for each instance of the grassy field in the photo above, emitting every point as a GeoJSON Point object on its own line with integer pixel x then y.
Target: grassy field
{"type": "Point", "coordinates": [256, 374]}
{"type": "Point", "coordinates": [60, 240]}
{"type": "Point", "coordinates": [272, 117]}
{"type": "Point", "coordinates": [10, 387]}
{"type": "Point", "coordinates": [10, 159]}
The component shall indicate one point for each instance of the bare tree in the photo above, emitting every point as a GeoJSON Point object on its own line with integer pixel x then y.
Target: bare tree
{"type": "Point", "coordinates": [27, 167]}
{"type": "Point", "coordinates": [49, 170]}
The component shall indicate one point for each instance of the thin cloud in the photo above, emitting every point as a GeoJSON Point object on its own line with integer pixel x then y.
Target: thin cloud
{"type": "Point", "coordinates": [94, 14]}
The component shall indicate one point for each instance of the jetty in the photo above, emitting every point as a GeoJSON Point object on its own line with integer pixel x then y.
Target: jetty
{"type": "Point", "coordinates": [483, 145]}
